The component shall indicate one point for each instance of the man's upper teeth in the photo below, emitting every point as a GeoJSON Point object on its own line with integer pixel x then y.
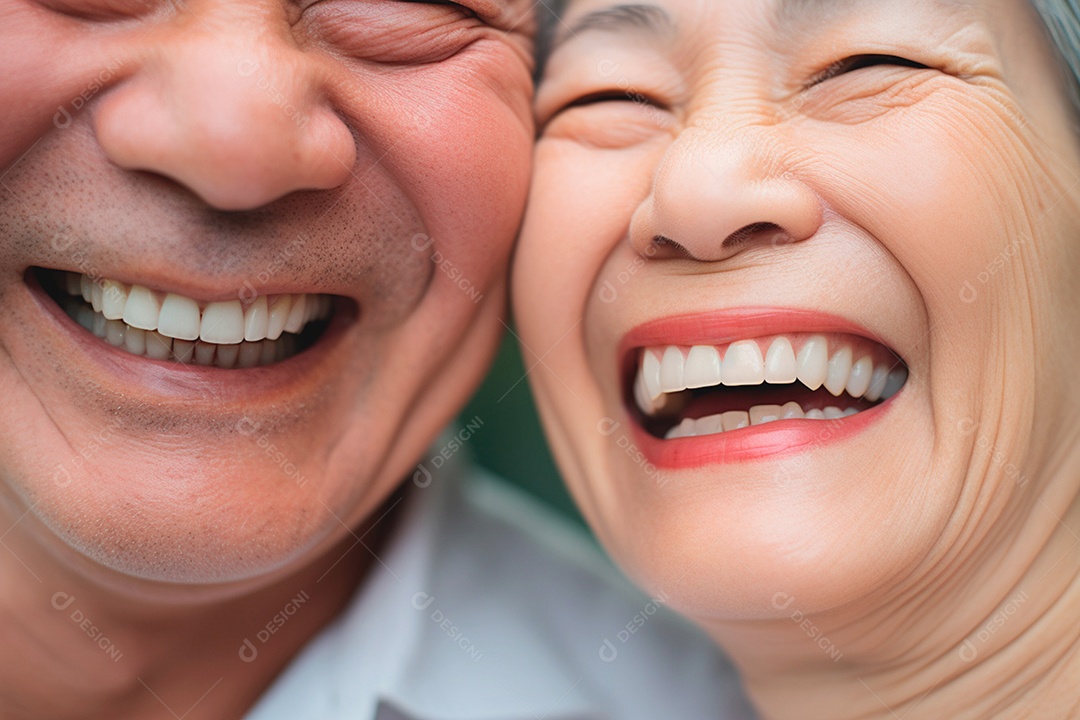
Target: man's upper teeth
{"type": "Point", "coordinates": [672, 369]}
{"type": "Point", "coordinates": [229, 322]}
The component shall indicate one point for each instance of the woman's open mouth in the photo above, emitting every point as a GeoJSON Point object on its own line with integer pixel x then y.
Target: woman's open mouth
{"type": "Point", "coordinates": [163, 326]}
{"type": "Point", "coordinates": [701, 390]}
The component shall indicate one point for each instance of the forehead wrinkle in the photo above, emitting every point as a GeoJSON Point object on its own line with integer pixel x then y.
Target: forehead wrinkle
{"type": "Point", "coordinates": [652, 19]}
{"type": "Point", "coordinates": [646, 17]}
{"type": "Point", "coordinates": [801, 10]}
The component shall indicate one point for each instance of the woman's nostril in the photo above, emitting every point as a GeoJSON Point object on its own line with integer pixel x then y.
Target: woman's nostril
{"type": "Point", "coordinates": [663, 246]}
{"type": "Point", "coordinates": [770, 232]}
{"type": "Point", "coordinates": [762, 233]}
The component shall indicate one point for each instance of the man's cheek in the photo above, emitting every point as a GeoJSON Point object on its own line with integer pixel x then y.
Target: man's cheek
{"type": "Point", "coordinates": [475, 163]}
{"type": "Point", "coordinates": [51, 76]}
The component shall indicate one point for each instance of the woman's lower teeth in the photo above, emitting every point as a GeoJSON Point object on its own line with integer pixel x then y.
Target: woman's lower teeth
{"type": "Point", "coordinates": [757, 415]}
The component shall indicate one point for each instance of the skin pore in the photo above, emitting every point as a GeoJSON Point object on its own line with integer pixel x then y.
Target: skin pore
{"type": "Point", "coordinates": [901, 175]}
{"type": "Point", "coordinates": [217, 150]}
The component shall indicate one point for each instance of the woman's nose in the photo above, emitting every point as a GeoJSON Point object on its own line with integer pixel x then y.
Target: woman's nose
{"type": "Point", "coordinates": [229, 108]}
{"type": "Point", "coordinates": [718, 193]}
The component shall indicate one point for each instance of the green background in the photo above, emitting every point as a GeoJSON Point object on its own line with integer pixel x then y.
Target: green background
{"type": "Point", "coordinates": [511, 443]}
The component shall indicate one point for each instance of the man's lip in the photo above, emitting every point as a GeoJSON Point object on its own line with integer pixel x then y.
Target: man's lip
{"type": "Point", "coordinates": [202, 290]}
{"type": "Point", "coordinates": [756, 442]}
{"type": "Point", "coordinates": [193, 382]}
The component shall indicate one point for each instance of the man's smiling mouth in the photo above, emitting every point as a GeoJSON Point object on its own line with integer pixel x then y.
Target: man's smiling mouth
{"type": "Point", "coordinates": [684, 392]}
{"type": "Point", "coordinates": [171, 327]}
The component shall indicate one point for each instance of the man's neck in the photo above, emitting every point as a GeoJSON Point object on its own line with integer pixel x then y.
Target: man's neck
{"type": "Point", "coordinates": [76, 650]}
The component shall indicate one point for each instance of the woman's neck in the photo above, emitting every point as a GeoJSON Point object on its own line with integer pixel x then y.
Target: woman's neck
{"type": "Point", "coordinates": [989, 634]}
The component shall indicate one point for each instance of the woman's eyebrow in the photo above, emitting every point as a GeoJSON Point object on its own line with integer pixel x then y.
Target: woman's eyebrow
{"type": "Point", "coordinates": [650, 18]}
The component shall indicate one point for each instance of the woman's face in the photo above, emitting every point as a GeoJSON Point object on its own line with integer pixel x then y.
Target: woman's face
{"type": "Point", "coordinates": [854, 225]}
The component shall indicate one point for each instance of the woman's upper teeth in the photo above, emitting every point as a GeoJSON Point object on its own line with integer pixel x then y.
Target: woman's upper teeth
{"type": "Point", "coordinates": [856, 366]}
{"type": "Point", "coordinates": [175, 316]}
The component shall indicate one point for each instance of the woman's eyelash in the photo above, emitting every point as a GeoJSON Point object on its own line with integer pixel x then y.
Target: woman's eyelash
{"type": "Point", "coordinates": [847, 65]}
{"type": "Point", "coordinates": [612, 96]}
{"type": "Point", "coordinates": [858, 62]}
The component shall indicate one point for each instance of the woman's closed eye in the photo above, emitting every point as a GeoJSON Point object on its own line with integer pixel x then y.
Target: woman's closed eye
{"type": "Point", "coordinates": [613, 95]}
{"type": "Point", "coordinates": [845, 66]}
{"type": "Point", "coordinates": [855, 63]}
{"type": "Point", "coordinates": [606, 117]}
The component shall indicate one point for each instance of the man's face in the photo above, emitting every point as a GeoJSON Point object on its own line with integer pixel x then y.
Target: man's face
{"type": "Point", "coordinates": [196, 160]}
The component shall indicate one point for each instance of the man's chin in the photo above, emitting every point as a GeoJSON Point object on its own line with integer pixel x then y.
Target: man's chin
{"type": "Point", "coordinates": [162, 470]}
{"type": "Point", "coordinates": [217, 518]}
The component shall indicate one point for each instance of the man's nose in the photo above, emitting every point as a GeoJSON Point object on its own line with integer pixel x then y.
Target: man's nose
{"type": "Point", "coordinates": [230, 108]}
{"type": "Point", "coordinates": [719, 192]}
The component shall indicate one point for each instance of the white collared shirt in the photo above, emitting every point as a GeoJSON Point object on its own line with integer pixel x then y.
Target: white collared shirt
{"type": "Point", "coordinates": [486, 606]}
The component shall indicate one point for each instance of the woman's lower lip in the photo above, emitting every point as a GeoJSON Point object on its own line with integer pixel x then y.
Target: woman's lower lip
{"type": "Point", "coordinates": [759, 442]}
{"type": "Point", "coordinates": [169, 378]}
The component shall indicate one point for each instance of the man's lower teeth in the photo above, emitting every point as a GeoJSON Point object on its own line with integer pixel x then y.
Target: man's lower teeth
{"type": "Point", "coordinates": [758, 415]}
{"type": "Point", "coordinates": [156, 346]}
{"type": "Point", "coordinates": [165, 326]}
{"type": "Point", "coordinates": [218, 323]}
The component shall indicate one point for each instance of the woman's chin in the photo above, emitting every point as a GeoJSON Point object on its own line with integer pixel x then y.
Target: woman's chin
{"type": "Point", "coordinates": [810, 526]}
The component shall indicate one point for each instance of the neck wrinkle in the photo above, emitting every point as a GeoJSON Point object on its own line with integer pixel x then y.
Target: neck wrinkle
{"type": "Point", "coordinates": [52, 668]}
{"type": "Point", "coordinates": [908, 658]}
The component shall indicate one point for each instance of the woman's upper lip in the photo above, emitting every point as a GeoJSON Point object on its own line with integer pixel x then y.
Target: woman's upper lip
{"type": "Point", "coordinates": [727, 326]}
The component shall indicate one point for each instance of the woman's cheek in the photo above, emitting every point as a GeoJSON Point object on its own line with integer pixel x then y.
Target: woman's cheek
{"type": "Point", "coordinates": [944, 191]}
{"type": "Point", "coordinates": [582, 200]}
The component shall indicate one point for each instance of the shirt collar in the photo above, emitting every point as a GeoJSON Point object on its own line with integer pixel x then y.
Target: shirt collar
{"type": "Point", "coordinates": [469, 656]}
{"type": "Point", "coordinates": [416, 645]}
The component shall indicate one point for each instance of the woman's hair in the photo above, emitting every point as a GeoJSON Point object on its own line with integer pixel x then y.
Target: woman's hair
{"type": "Point", "coordinates": [1061, 17]}
{"type": "Point", "coordinates": [550, 15]}
{"type": "Point", "coordinates": [1062, 20]}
